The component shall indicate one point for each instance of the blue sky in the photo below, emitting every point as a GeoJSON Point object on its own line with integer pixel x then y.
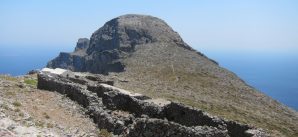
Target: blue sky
{"type": "Point", "coordinates": [256, 25]}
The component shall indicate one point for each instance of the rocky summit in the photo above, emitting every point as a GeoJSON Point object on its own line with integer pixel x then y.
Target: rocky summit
{"type": "Point", "coordinates": [116, 40]}
{"type": "Point", "coordinates": [144, 55]}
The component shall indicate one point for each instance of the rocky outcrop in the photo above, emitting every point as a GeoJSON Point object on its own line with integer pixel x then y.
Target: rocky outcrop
{"type": "Point", "coordinates": [82, 45]}
{"type": "Point", "coordinates": [116, 40]}
{"type": "Point", "coordinates": [135, 115]}
{"type": "Point", "coordinates": [73, 61]}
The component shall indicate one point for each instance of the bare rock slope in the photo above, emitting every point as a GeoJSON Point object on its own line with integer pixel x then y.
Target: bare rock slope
{"type": "Point", "coordinates": [144, 55]}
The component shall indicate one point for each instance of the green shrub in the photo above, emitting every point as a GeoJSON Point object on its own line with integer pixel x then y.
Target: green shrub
{"type": "Point", "coordinates": [21, 114]}
{"type": "Point", "coordinates": [32, 82]}
{"type": "Point", "coordinates": [17, 104]}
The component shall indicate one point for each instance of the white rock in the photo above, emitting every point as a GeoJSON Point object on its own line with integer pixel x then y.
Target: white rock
{"type": "Point", "coordinates": [57, 71]}
{"type": "Point", "coordinates": [121, 90]}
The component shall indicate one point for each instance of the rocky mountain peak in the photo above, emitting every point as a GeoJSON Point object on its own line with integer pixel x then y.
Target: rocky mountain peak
{"type": "Point", "coordinates": [127, 31]}
{"type": "Point", "coordinates": [116, 40]}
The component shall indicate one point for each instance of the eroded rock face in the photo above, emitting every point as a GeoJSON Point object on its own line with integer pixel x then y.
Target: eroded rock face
{"type": "Point", "coordinates": [135, 115]}
{"type": "Point", "coordinates": [72, 61]}
{"type": "Point", "coordinates": [125, 32]}
{"type": "Point", "coordinates": [116, 40]}
{"type": "Point", "coordinates": [82, 44]}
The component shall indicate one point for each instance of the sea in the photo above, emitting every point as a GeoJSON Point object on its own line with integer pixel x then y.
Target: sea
{"type": "Point", "coordinates": [273, 73]}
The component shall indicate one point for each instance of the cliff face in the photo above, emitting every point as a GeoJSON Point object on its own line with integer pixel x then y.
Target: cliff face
{"type": "Point", "coordinates": [143, 54]}
{"type": "Point", "coordinates": [73, 61]}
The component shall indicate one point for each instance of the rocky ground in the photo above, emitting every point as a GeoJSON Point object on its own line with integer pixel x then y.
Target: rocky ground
{"type": "Point", "coordinates": [28, 112]}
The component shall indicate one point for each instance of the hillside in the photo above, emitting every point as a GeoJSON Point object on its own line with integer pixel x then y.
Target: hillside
{"type": "Point", "coordinates": [144, 55]}
{"type": "Point", "coordinates": [26, 111]}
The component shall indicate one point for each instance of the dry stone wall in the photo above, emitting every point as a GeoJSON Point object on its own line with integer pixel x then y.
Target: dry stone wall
{"type": "Point", "coordinates": [134, 115]}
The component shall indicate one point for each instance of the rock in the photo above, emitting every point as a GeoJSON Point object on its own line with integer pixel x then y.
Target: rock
{"type": "Point", "coordinates": [256, 133]}
{"type": "Point", "coordinates": [11, 127]}
{"type": "Point", "coordinates": [6, 133]}
{"type": "Point", "coordinates": [57, 71]}
{"type": "Point", "coordinates": [21, 85]}
{"type": "Point", "coordinates": [161, 128]}
{"type": "Point", "coordinates": [2, 115]}
{"type": "Point", "coordinates": [116, 40]}
{"type": "Point", "coordinates": [82, 44]}
{"type": "Point", "coordinates": [185, 115]}
{"type": "Point", "coordinates": [31, 72]}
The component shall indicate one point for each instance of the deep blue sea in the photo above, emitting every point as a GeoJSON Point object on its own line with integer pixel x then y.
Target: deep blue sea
{"type": "Point", "coordinates": [275, 74]}
{"type": "Point", "coordinates": [15, 60]}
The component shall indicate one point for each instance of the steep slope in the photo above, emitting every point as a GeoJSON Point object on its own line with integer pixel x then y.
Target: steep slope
{"type": "Point", "coordinates": [143, 54]}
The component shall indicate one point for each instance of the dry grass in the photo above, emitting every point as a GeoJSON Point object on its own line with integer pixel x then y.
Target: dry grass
{"type": "Point", "coordinates": [46, 109]}
{"type": "Point", "coordinates": [104, 133]}
{"type": "Point", "coordinates": [8, 78]}
{"type": "Point", "coordinates": [192, 89]}
{"type": "Point", "coordinates": [192, 80]}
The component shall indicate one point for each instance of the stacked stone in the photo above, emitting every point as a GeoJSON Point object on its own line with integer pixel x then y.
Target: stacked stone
{"type": "Point", "coordinates": [135, 115]}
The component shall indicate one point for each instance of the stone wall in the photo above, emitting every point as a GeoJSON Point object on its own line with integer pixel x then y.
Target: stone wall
{"type": "Point", "coordinates": [191, 117]}
{"type": "Point", "coordinates": [131, 114]}
{"type": "Point", "coordinates": [152, 127]}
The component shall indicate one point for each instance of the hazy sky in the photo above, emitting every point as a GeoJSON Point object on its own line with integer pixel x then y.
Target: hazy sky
{"type": "Point", "coordinates": [204, 24]}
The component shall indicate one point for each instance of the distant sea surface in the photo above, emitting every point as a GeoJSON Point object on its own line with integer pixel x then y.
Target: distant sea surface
{"type": "Point", "coordinates": [16, 60]}
{"type": "Point", "coordinates": [274, 74]}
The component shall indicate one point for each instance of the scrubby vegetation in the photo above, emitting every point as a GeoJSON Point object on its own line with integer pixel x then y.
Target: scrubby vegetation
{"type": "Point", "coordinates": [205, 86]}
{"type": "Point", "coordinates": [104, 133]}
{"type": "Point", "coordinates": [34, 112]}
{"type": "Point", "coordinates": [32, 82]}
{"type": "Point", "coordinates": [17, 104]}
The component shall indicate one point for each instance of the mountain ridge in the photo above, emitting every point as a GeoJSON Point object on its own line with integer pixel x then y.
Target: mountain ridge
{"type": "Point", "coordinates": [116, 40]}
{"type": "Point", "coordinates": [155, 61]}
